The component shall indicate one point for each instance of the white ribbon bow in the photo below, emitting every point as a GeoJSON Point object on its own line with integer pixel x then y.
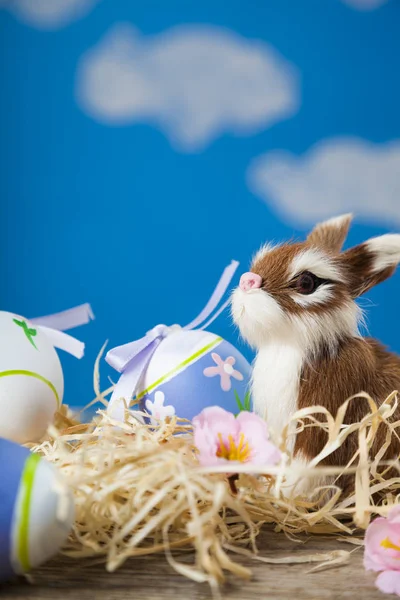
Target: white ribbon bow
{"type": "Point", "coordinates": [53, 327]}
{"type": "Point", "coordinates": [132, 359]}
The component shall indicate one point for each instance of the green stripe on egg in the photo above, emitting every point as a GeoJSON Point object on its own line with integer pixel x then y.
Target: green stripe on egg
{"type": "Point", "coordinates": [183, 364]}
{"type": "Point", "coordinates": [43, 515]}
{"type": "Point", "coordinates": [35, 376]}
{"type": "Point", "coordinates": [27, 480]}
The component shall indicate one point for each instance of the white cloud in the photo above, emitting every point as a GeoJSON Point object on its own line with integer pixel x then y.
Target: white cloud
{"type": "Point", "coordinates": [365, 4]}
{"type": "Point", "coordinates": [192, 82]}
{"type": "Point", "coordinates": [335, 176]}
{"type": "Point", "coordinates": [48, 14]}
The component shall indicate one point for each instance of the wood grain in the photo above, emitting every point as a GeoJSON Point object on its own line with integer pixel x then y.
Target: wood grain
{"type": "Point", "coordinates": [151, 578]}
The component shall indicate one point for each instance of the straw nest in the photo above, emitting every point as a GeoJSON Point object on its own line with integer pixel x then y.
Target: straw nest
{"type": "Point", "coordinates": [140, 491]}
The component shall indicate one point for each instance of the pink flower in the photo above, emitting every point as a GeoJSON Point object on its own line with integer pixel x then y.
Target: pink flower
{"type": "Point", "coordinates": [225, 370]}
{"type": "Point", "coordinates": [222, 438]}
{"type": "Point", "coordinates": [382, 551]}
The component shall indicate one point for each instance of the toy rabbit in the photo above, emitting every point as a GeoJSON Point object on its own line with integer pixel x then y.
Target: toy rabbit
{"type": "Point", "coordinates": [297, 308]}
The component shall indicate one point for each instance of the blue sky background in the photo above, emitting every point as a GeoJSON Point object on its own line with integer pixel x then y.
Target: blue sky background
{"type": "Point", "coordinates": [118, 217]}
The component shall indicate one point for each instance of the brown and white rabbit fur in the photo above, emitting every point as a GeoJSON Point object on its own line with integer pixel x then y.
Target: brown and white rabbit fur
{"type": "Point", "coordinates": [304, 323]}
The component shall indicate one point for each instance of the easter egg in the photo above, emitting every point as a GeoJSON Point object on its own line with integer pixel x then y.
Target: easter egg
{"type": "Point", "coordinates": [36, 510]}
{"type": "Point", "coordinates": [191, 370]}
{"type": "Point", "coordinates": [31, 379]}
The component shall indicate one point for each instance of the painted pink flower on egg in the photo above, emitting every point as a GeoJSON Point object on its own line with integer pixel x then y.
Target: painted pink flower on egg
{"type": "Point", "coordinates": [225, 370]}
{"type": "Point", "coordinates": [382, 551]}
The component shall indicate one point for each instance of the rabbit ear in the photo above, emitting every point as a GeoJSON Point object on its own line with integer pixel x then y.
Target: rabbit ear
{"type": "Point", "coordinates": [372, 262]}
{"type": "Point", "coordinates": [330, 235]}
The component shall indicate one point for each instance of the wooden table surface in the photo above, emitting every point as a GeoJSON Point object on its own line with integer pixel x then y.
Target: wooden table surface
{"type": "Point", "coordinates": [152, 578]}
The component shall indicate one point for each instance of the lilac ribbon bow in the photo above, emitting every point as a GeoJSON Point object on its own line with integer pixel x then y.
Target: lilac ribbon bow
{"type": "Point", "coordinates": [53, 327]}
{"type": "Point", "coordinates": [132, 359]}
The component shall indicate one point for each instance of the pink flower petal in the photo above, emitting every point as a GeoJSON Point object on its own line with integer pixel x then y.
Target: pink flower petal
{"type": "Point", "coordinates": [211, 424]}
{"type": "Point", "coordinates": [373, 552]}
{"type": "Point", "coordinates": [370, 563]}
{"type": "Point", "coordinates": [230, 360]}
{"type": "Point", "coordinates": [211, 371]}
{"type": "Point", "coordinates": [237, 375]}
{"type": "Point", "coordinates": [252, 425]}
{"type": "Point", "coordinates": [206, 444]}
{"type": "Point", "coordinates": [255, 430]}
{"type": "Point", "coordinates": [388, 582]}
{"type": "Point", "coordinates": [394, 514]}
{"type": "Point", "coordinates": [217, 420]}
{"type": "Point", "coordinates": [217, 359]}
{"type": "Point", "coordinates": [268, 454]}
{"type": "Point", "coordinates": [226, 382]}
{"type": "Point", "coordinates": [376, 556]}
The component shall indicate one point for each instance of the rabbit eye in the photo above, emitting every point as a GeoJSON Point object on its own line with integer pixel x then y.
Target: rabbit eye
{"type": "Point", "coordinates": [307, 283]}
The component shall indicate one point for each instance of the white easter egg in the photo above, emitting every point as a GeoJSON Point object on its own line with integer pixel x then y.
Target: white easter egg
{"type": "Point", "coordinates": [31, 380]}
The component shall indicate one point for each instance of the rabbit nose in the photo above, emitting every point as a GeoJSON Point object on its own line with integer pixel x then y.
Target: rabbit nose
{"type": "Point", "coordinates": [250, 281]}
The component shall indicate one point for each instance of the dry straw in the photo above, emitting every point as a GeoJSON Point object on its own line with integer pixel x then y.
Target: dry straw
{"type": "Point", "coordinates": [140, 491]}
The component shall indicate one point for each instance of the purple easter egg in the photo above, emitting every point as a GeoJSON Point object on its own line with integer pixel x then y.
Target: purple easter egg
{"type": "Point", "coordinates": [191, 370]}
{"type": "Point", "coordinates": [32, 526]}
